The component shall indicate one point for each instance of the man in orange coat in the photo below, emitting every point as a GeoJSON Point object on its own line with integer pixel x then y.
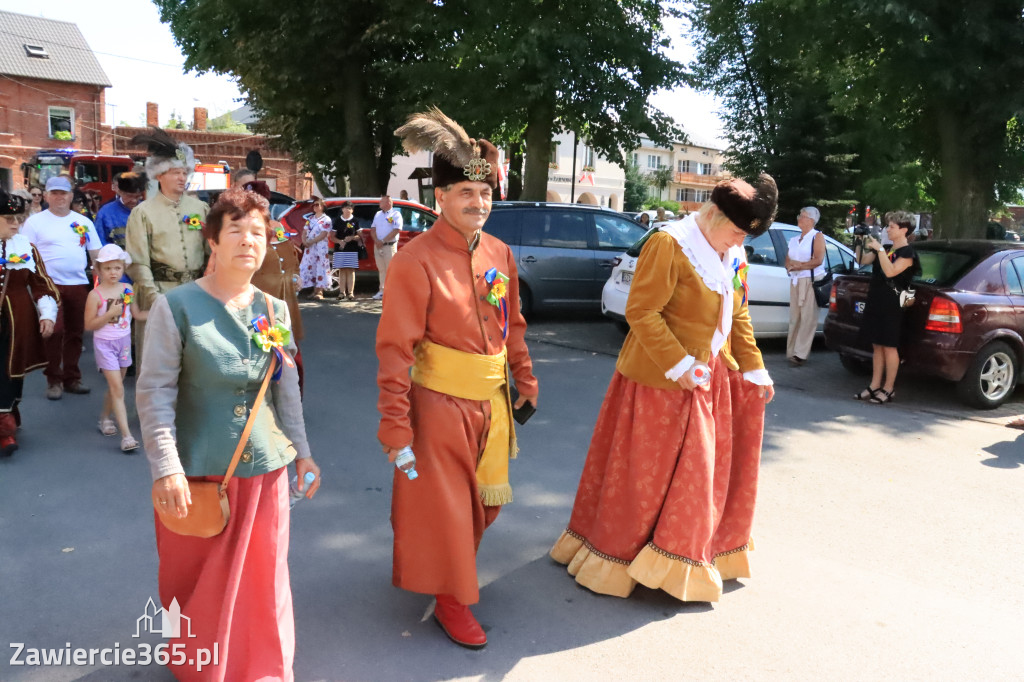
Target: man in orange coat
{"type": "Point", "coordinates": [450, 329]}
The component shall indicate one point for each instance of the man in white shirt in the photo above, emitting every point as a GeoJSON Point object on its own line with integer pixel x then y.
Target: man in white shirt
{"type": "Point", "coordinates": [65, 241]}
{"type": "Point", "coordinates": [387, 225]}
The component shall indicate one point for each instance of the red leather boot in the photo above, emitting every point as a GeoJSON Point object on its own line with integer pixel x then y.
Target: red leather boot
{"type": "Point", "coordinates": [8, 427]}
{"type": "Point", "coordinates": [458, 623]}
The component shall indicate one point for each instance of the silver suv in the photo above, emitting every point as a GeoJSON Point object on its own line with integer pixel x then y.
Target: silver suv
{"type": "Point", "coordinates": [564, 252]}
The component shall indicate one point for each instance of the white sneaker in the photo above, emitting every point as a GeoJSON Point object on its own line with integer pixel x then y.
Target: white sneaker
{"type": "Point", "coordinates": [378, 296]}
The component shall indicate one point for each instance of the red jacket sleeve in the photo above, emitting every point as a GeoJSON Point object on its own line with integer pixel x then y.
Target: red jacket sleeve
{"type": "Point", "coordinates": [518, 353]}
{"type": "Point", "coordinates": [403, 323]}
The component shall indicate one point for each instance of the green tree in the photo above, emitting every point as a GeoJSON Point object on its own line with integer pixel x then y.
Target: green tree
{"type": "Point", "coordinates": [225, 123]}
{"type": "Point", "coordinates": [659, 179]}
{"type": "Point", "coordinates": [778, 114]}
{"type": "Point", "coordinates": [636, 188]}
{"type": "Point", "coordinates": [175, 122]}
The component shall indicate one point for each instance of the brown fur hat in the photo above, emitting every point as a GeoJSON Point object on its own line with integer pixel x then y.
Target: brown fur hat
{"type": "Point", "coordinates": [751, 207]}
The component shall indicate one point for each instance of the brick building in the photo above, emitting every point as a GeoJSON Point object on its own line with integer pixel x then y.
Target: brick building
{"type": "Point", "coordinates": [51, 92]}
{"type": "Point", "coordinates": [280, 171]}
{"type": "Point", "coordinates": [52, 97]}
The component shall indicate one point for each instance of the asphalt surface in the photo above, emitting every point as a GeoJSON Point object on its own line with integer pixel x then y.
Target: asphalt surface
{"type": "Point", "coordinates": [878, 534]}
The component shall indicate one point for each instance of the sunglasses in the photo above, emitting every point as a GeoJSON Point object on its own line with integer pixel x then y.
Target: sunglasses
{"type": "Point", "coordinates": [37, 194]}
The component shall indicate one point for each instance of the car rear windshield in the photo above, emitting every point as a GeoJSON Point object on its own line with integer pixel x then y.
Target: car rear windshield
{"type": "Point", "coordinates": [944, 268]}
{"type": "Point", "coordinates": [634, 251]}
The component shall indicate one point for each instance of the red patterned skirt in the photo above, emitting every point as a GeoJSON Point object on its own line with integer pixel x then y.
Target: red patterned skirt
{"type": "Point", "coordinates": [234, 587]}
{"type": "Point", "coordinates": [667, 493]}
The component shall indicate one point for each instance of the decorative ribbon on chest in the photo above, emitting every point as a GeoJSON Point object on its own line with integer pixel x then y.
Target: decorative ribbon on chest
{"type": "Point", "coordinates": [280, 234]}
{"type": "Point", "coordinates": [273, 339]}
{"type": "Point", "coordinates": [739, 278]}
{"type": "Point", "coordinates": [15, 259]}
{"type": "Point", "coordinates": [193, 222]}
{"type": "Point", "coordinates": [498, 297]}
{"type": "Point", "coordinates": [82, 231]}
{"type": "Point", "coordinates": [127, 296]}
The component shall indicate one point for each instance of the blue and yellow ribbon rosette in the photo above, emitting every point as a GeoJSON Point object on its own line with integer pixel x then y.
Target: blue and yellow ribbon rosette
{"type": "Point", "coordinates": [82, 231]}
{"type": "Point", "coordinates": [193, 222]}
{"type": "Point", "coordinates": [273, 339]}
{"type": "Point", "coordinates": [498, 296]}
{"type": "Point", "coordinates": [15, 259]}
{"type": "Point", "coordinates": [739, 278]}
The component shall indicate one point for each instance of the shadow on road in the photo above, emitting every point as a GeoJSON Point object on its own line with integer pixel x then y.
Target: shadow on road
{"type": "Point", "coordinates": [1009, 454]}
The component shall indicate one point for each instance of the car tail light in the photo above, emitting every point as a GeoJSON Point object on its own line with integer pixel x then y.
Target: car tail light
{"type": "Point", "coordinates": [944, 316]}
{"type": "Point", "coordinates": [832, 305]}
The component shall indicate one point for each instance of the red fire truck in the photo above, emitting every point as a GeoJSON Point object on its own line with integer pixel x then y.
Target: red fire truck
{"type": "Point", "coordinates": [88, 171]}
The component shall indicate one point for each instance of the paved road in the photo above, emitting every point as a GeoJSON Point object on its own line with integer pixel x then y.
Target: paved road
{"type": "Point", "coordinates": [878, 535]}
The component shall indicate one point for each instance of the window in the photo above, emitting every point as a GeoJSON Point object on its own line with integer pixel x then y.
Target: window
{"type": "Point", "coordinates": [653, 161]}
{"type": "Point", "coordinates": [636, 159]}
{"type": "Point", "coordinates": [702, 195]}
{"type": "Point", "coordinates": [557, 230]}
{"type": "Point", "coordinates": [62, 120]}
{"type": "Point", "coordinates": [553, 156]}
{"type": "Point", "coordinates": [616, 233]}
{"type": "Point", "coordinates": [87, 172]}
{"type": "Point", "coordinates": [834, 261]}
{"type": "Point", "coordinates": [504, 225]}
{"type": "Point", "coordinates": [761, 250]}
{"type": "Point", "coordinates": [684, 167]}
{"type": "Point", "coordinates": [416, 221]}
{"type": "Point", "coordinates": [588, 157]}
{"type": "Point", "coordinates": [1013, 285]}
{"type": "Point", "coordinates": [679, 195]}
{"type": "Point", "coordinates": [36, 51]}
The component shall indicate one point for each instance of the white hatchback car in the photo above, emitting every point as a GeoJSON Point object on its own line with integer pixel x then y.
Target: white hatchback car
{"type": "Point", "coordinates": [767, 279]}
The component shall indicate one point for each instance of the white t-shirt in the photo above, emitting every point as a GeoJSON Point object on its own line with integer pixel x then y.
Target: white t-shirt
{"type": "Point", "coordinates": [60, 246]}
{"type": "Point", "coordinates": [384, 223]}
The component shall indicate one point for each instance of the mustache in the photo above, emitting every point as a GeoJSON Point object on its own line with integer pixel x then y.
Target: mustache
{"type": "Point", "coordinates": [474, 211]}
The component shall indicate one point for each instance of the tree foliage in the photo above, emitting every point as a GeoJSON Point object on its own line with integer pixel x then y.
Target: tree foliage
{"type": "Point", "coordinates": [903, 104]}
{"type": "Point", "coordinates": [339, 76]}
{"type": "Point", "coordinates": [636, 188]}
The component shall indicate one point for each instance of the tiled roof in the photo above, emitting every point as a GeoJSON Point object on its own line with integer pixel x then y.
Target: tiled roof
{"type": "Point", "coordinates": [70, 58]}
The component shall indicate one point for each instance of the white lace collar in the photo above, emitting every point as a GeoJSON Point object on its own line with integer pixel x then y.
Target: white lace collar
{"type": "Point", "coordinates": [19, 246]}
{"type": "Point", "coordinates": [717, 273]}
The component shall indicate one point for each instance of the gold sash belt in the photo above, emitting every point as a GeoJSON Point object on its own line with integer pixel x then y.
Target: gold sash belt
{"type": "Point", "coordinates": [475, 377]}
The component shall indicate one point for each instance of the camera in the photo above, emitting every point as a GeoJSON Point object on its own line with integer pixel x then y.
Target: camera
{"type": "Point", "coordinates": [861, 230]}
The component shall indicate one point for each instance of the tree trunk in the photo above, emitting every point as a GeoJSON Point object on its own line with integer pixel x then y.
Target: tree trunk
{"type": "Point", "coordinates": [362, 162]}
{"type": "Point", "coordinates": [386, 142]}
{"type": "Point", "coordinates": [321, 184]}
{"type": "Point", "coordinates": [515, 171]}
{"type": "Point", "coordinates": [967, 182]}
{"type": "Point", "coordinates": [538, 144]}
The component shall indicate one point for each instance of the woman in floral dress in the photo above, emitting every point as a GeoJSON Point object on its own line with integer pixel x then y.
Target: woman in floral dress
{"type": "Point", "coordinates": [314, 271]}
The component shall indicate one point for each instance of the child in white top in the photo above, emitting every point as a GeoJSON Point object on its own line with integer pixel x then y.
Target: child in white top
{"type": "Point", "coordinates": [108, 314]}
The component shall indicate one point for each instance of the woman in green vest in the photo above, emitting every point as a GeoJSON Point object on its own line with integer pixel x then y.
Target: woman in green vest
{"type": "Point", "coordinates": [203, 364]}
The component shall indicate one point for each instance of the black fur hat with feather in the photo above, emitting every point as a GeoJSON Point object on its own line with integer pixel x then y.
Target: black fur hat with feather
{"type": "Point", "coordinates": [457, 156]}
{"type": "Point", "coordinates": [165, 152]}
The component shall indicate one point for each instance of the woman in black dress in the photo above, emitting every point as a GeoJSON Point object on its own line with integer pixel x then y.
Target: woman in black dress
{"type": "Point", "coordinates": [883, 315]}
{"type": "Point", "coordinates": [346, 253]}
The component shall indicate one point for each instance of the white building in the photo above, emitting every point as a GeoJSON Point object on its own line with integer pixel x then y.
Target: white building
{"type": "Point", "coordinates": [597, 181]}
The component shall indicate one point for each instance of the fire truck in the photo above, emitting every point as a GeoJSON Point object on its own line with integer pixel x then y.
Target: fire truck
{"type": "Point", "coordinates": [88, 171]}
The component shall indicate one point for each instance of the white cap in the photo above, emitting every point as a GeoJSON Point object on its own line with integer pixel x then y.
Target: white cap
{"type": "Point", "coordinates": [60, 183]}
{"type": "Point", "coordinates": [113, 252]}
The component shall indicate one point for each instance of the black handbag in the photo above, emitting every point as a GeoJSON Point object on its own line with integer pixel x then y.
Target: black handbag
{"type": "Point", "coordinates": [822, 289]}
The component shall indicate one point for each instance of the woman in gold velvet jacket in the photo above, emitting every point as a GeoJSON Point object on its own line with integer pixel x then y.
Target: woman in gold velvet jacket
{"type": "Point", "coordinates": [667, 493]}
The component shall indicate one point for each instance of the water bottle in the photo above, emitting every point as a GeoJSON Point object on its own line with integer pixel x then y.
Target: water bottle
{"type": "Point", "coordinates": [701, 374]}
{"type": "Point", "coordinates": [293, 490]}
{"type": "Point", "coordinates": [406, 462]}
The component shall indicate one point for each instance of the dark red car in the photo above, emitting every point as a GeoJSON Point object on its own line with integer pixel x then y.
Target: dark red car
{"type": "Point", "coordinates": [416, 218]}
{"type": "Point", "coordinates": [966, 326]}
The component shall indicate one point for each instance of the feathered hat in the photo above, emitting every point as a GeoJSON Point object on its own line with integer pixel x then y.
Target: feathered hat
{"type": "Point", "coordinates": [750, 206]}
{"type": "Point", "coordinates": [457, 156]}
{"type": "Point", "coordinates": [165, 152]}
{"type": "Point", "coordinates": [132, 182]}
{"type": "Point", "coordinates": [11, 204]}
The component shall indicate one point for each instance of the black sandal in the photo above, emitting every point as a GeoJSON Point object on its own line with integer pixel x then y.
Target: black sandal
{"type": "Point", "coordinates": [867, 394]}
{"type": "Point", "coordinates": [887, 396]}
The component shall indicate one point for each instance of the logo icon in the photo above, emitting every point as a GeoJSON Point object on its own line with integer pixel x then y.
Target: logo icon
{"type": "Point", "coordinates": [164, 622]}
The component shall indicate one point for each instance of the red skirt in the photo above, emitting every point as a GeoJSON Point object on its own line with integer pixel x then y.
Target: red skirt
{"type": "Point", "coordinates": [234, 587]}
{"type": "Point", "coordinates": [667, 493]}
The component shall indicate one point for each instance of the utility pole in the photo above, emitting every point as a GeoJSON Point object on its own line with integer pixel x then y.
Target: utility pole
{"type": "Point", "coordinates": [575, 148]}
